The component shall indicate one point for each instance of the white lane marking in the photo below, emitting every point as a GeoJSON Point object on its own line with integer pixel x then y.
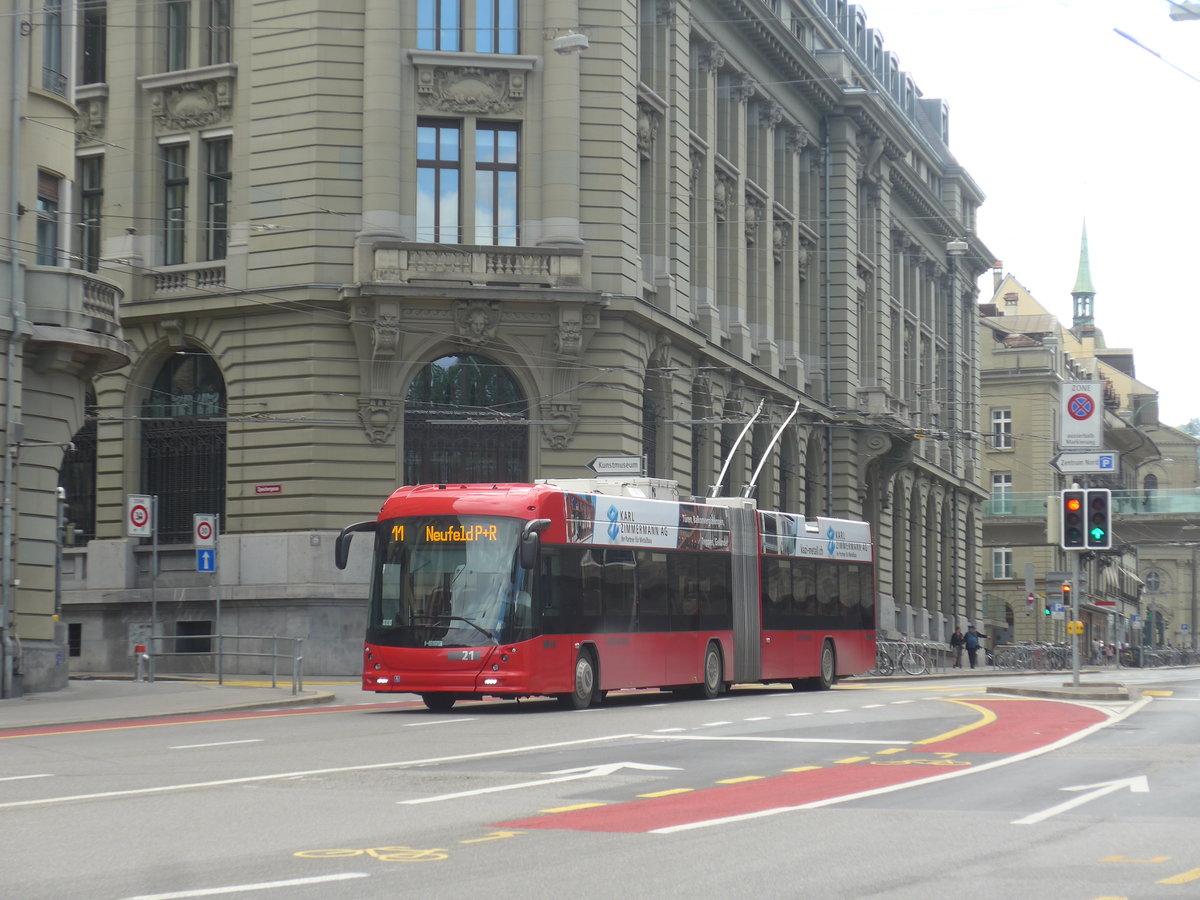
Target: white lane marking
{"type": "Point", "coordinates": [215, 744]}
{"type": "Point", "coordinates": [1137, 784]}
{"type": "Point", "coordinates": [668, 730]}
{"type": "Point", "coordinates": [260, 886]}
{"type": "Point", "coordinates": [765, 740]}
{"type": "Point", "coordinates": [278, 776]}
{"type": "Point", "coordinates": [793, 715]}
{"type": "Point", "coordinates": [757, 719]}
{"type": "Point", "coordinates": [874, 792]}
{"type": "Point", "coordinates": [563, 775]}
{"type": "Point", "coordinates": [714, 724]}
{"type": "Point", "coordinates": [873, 706]}
{"type": "Point", "coordinates": [836, 710]}
{"type": "Point", "coordinates": [436, 722]}
{"type": "Point", "coordinates": [23, 777]}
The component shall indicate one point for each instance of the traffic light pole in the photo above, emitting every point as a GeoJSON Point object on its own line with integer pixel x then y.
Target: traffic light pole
{"type": "Point", "coordinates": [1075, 617]}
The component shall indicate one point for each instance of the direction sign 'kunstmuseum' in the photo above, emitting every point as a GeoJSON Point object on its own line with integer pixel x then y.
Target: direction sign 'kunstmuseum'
{"type": "Point", "coordinates": [1081, 422]}
{"type": "Point", "coordinates": [616, 465]}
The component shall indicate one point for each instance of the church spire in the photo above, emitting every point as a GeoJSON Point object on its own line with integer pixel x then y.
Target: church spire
{"type": "Point", "coordinates": [1083, 292]}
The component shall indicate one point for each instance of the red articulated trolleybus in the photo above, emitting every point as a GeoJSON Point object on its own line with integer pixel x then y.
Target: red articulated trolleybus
{"type": "Point", "coordinates": [573, 588]}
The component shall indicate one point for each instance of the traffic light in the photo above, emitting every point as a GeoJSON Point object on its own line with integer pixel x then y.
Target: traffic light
{"type": "Point", "coordinates": [1099, 518]}
{"type": "Point", "coordinates": [1046, 606]}
{"type": "Point", "coordinates": [1066, 595]}
{"type": "Point", "coordinates": [1072, 503]}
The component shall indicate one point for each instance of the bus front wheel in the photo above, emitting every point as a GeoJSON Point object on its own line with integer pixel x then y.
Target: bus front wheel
{"type": "Point", "coordinates": [585, 683]}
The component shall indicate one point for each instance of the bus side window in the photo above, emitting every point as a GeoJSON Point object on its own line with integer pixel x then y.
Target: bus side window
{"type": "Point", "coordinates": [682, 591]}
{"type": "Point", "coordinates": [619, 585]}
{"type": "Point", "coordinates": [716, 590]}
{"type": "Point", "coordinates": [652, 591]}
{"type": "Point", "coordinates": [804, 586]}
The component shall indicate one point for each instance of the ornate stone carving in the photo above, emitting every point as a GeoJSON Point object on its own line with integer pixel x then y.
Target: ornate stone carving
{"type": "Point", "coordinates": [781, 238]}
{"type": "Point", "coordinates": [469, 89]}
{"type": "Point", "coordinates": [798, 138]}
{"type": "Point", "coordinates": [385, 334]}
{"type": "Point", "coordinates": [696, 167]}
{"type": "Point", "coordinates": [664, 12]}
{"type": "Point", "coordinates": [568, 339]}
{"type": "Point", "coordinates": [559, 423]}
{"type": "Point", "coordinates": [647, 129]}
{"type": "Point", "coordinates": [194, 104]}
{"type": "Point", "coordinates": [755, 209]}
{"type": "Point", "coordinates": [744, 88]}
{"type": "Point", "coordinates": [89, 127]}
{"type": "Point", "coordinates": [378, 417]}
{"type": "Point", "coordinates": [712, 58]}
{"type": "Point", "coordinates": [723, 189]}
{"type": "Point", "coordinates": [770, 115]}
{"type": "Point", "coordinates": [475, 321]}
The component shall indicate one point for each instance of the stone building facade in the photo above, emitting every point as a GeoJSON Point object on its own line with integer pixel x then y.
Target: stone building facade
{"type": "Point", "coordinates": [59, 327]}
{"type": "Point", "coordinates": [366, 243]}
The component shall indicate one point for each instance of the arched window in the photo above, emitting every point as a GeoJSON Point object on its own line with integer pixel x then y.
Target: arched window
{"type": "Point", "coordinates": [183, 443]}
{"type": "Point", "coordinates": [441, 442]}
{"type": "Point", "coordinates": [1149, 489]}
{"type": "Point", "coordinates": [77, 477]}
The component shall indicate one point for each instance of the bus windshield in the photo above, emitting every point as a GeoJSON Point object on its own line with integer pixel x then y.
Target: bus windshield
{"type": "Point", "coordinates": [448, 581]}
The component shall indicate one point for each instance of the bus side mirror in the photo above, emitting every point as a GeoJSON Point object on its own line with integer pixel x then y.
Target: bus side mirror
{"type": "Point", "coordinates": [341, 548]}
{"type": "Point", "coordinates": [530, 541]}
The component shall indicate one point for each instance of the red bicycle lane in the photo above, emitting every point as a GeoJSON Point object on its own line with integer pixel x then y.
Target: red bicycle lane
{"type": "Point", "coordinates": [1005, 728]}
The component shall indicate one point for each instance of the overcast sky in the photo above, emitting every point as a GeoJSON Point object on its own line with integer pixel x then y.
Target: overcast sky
{"type": "Point", "coordinates": [1059, 118]}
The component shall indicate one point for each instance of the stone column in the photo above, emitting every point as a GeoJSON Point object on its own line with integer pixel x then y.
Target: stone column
{"type": "Point", "coordinates": [383, 100]}
{"type": "Point", "coordinates": [560, 131]}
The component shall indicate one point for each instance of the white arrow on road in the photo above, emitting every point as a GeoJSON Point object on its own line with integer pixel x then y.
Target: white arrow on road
{"type": "Point", "coordinates": [567, 775]}
{"type": "Point", "coordinates": [1138, 785]}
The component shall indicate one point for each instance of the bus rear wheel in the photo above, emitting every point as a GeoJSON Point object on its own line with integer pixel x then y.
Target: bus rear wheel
{"type": "Point", "coordinates": [585, 683]}
{"type": "Point", "coordinates": [438, 702]}
{"type": "Point", "coordinates": [828, 673]}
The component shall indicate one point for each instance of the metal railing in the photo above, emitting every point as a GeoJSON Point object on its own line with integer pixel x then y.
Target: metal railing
{"type": "Point", "coordinates": [1032, 655]}
{"type": "Point", "coordinates": [268, 648]}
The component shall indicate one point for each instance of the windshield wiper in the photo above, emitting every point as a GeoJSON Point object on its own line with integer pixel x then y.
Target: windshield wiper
{"type": "Point", "coordinates": [487, 634]}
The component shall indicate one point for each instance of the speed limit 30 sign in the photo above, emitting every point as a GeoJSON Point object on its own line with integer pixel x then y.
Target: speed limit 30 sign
{"type": "Point", "coordinates": [204, 530]}
{"type": "Point", "coordinates": [139, 516]}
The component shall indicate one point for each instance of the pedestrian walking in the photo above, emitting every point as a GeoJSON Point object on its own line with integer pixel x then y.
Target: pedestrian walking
{"type": "Point", "coordinates": [972, 641]}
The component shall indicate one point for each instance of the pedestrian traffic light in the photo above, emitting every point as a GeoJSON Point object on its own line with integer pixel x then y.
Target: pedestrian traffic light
{"type": "Point", "coordinates": [1099, 518]}
{"type": "Point", "coordinates": [1071, 515]}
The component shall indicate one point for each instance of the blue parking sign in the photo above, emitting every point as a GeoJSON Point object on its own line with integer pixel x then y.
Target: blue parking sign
{"type": "Point", "coordinates": [206, 560]}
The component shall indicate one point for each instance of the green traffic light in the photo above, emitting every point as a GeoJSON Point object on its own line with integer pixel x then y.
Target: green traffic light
{"type": "Point", "coordinates": [1097, 534]}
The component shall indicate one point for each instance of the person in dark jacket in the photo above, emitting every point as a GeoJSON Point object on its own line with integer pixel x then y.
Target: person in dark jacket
{"type": "Point", "coordinates": [956, 647]}
{"type": "Point", "coordinates": [972, 640]}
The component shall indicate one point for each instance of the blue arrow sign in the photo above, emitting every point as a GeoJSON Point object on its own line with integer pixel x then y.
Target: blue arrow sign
{"type": "Point", "coordinates": [206, 560]}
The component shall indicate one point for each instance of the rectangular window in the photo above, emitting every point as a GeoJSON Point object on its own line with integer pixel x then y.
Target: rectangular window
{"type": "Point", "coordinates": [74, 639]}
{"type": "Point", "coordinates": [438, 25]}
{"type": "Point", "coordinates": [496, 184]}
{"type": "Point", "coordinates": [1002, 563]}
{"type": "Point", "coordinates": [1002, 500]}
{"type": "Point", "coordinates": [178, 33]}
{"type": "Point", "coordinates": [217, 177]}
{"type": "Point", "coordinates": [91, 201]}
{"type": "Point", "coordinates": [47, 219]}
{"type": "Point", "coordinates": [94, 47]}
{"type": "Point", "coordinates": [193, 637]}
{"type": "Point", "coordinates": [1001, 429]}
{"type": "Point", "coordinates": [496, 28]}
{"type": "Point", "coordinates": [219, 31]}
{"type": "Point", "coordinates": [438, 174]}
{"type": "Point", "coordinates": [175, 188]}
{"type": "Point", "coordinates": [54, 79]}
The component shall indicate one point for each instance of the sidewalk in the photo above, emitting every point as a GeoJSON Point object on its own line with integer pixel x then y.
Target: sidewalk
{"type": "Point", "coordinates": [104, 699]}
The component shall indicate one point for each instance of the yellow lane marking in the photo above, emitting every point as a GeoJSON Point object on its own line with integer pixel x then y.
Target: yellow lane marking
{"type": "Point", "coordinates": [1119, 858]}
{"type": "Point", "coordinates": [1158, 693]}
{"type": "Point", "coordinates": [987, 717]}
{"type": "Point", "coordinates": [494, 836]}
{"type": "Point", "coordinates": [1182, 877]}
{"type": "Point", "coordinates": [559, 809]}
{"type": "Point", "coordinates": [850, 759]}
{"type": "Point", "coordinates": [740, 779]}
{"type": "Point", "coordinates": [667, 793]}
{"type": "Point", "coordinates": [890, 750]}
{"type": "Point", "coordinates": [802, 769]}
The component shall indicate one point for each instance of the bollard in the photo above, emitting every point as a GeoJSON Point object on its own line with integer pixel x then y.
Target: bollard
{"type": "Point", "coordinates": [140, 658]}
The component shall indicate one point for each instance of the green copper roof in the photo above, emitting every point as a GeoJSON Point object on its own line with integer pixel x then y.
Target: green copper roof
{"type": "Point", "coordinates": [1083, 280]}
